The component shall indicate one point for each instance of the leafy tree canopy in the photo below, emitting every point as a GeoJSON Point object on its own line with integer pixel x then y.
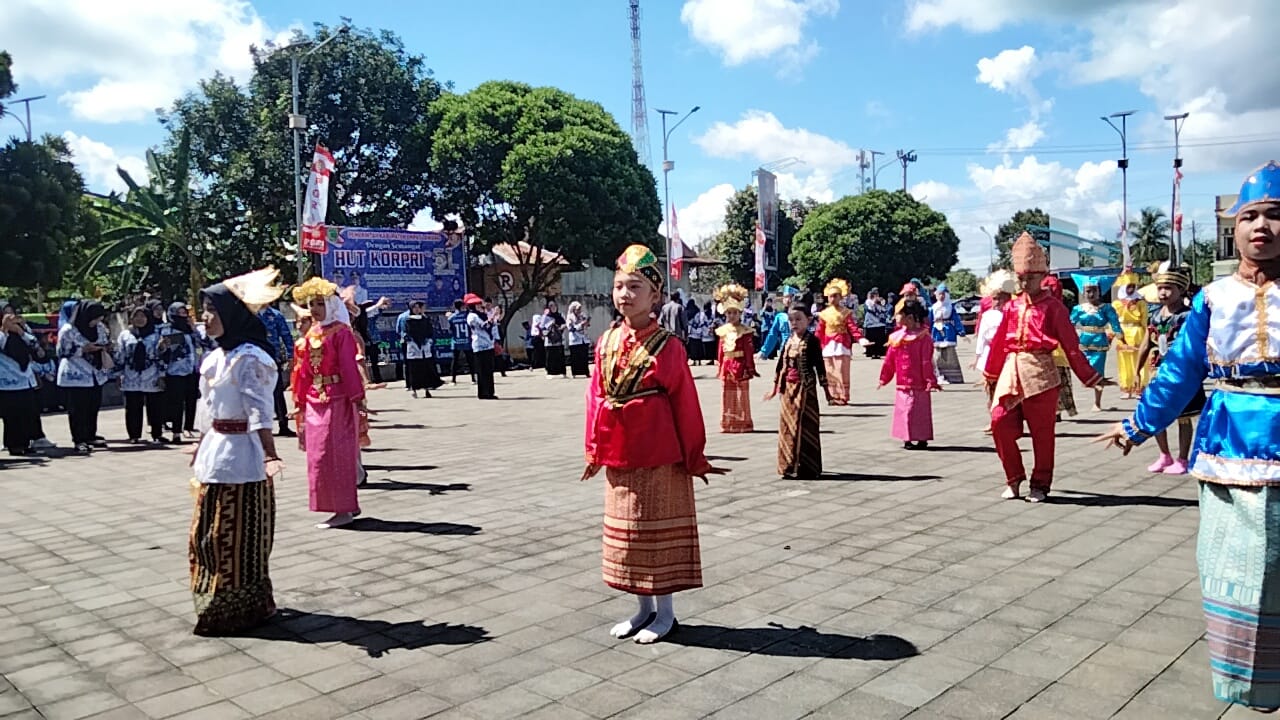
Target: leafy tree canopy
{"type": "Point", "coordinates": [40, 211]}
{"type": "Point", "coordinates": [736, 244]}
{"type": "Point", "coordinates": [7, 86]}
{"type": "Point", "coordinates": [1149, 237]}
{"type": "Point", "coordinates": [875, 239]}
{"type": "Point", "coordinates": [962, 283]}
{"type": "Point", "coordinates": [535, 164]}
{"type": "Point", "coordinates": [1009, 232]}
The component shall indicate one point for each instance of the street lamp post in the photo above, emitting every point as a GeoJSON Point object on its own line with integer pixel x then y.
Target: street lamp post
{"type": "Point", "coordinates": [667, 167]}
{"type": "Point", "coordinates": [1175, 237]}
{"type": "Point", "coordinates": [26, 126]}
{"type": "Point", "coordinates": [991, 249]}
{"type": "Point", "coordinates": [1124, 178]}
{"type": "Point", "coordinates": [298, 125]}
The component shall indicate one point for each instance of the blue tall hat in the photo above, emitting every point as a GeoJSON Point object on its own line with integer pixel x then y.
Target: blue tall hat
{"type": "Point", "coordinates": [1262, 185]}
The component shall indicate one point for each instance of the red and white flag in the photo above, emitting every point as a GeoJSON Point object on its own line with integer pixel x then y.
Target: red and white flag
{"type": "Point", "coordinates": [1177, 200]}
{"type": "Point", "coordinates": [316, 203]}
{"type": "Point", "coordinates": [760, 240]}
{"type": "Point", "coordinates": [677, 248]}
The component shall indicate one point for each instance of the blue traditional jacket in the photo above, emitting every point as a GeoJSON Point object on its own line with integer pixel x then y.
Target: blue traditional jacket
{"type": "Point", "coordinates": [76, 370]}
{"type": "Point", "coordinates": [777, 332]}
{"type": "Point", "coordinates": [1232, 337]}
{"type": "Point", "coordinates": [146, 380]}
{"type": "Point", "coordinates": [12, 377]}
{"type": "Point", "coordinates": [1093, 326]}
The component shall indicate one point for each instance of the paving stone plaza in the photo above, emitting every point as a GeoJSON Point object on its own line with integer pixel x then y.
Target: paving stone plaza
{"type": "Point", "coordinates": [899, 585]}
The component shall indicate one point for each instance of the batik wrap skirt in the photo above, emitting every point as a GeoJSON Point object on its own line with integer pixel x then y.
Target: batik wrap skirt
{"type": "Point", "coordinates": [1066, 400]}
{"type": "Point", "coordinates": [1238, 552]}
{"type": "Point", "coordinates": [651, 531]}
{"type": "Point", "coordinates": [735, 406]}
{"type": "Point", "coordinates": [230, 543]}
{"type": "Point", "coordinates": [799, 442]}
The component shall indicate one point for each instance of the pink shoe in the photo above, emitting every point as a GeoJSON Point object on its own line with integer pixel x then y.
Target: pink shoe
{"type": "Point", "coordinates": [1178, 467]}
{"type": "Point", "coordinates": [1161, 463]}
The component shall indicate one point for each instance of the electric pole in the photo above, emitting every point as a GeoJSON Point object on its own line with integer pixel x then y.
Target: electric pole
{"type": "Point", "coordinates": [905, 158]}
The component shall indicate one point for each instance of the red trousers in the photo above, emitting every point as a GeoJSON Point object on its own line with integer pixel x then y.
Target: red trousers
{"type": "Point", "coordinates": [1039, 412]}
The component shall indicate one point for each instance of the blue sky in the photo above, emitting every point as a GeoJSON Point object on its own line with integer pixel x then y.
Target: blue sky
{"type": "Point", "coordinates": [1000, 98]}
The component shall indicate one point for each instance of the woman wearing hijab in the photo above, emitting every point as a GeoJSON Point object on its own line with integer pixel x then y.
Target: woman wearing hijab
{"type": "Point", "coordinates": [329, 397]}
{"type": "Point", "coordinates": [138, 356]}
{"type": "Point", "coordinates": [579, 322]}
{"type": "Point", "coordinates": [179, 343]}
{"type": "Point", "coordinates": [234, 524]}
{"type": "Point", "coordinates": [86, 363]}
{"type": "Point", "coordinates": [947, 329]}
{"type": "Point", "coordinates": [419, 356]}
{"type": "Point", "coordinates": [19, 407]}
{"type": "Point", "coordinates": [553, 327]}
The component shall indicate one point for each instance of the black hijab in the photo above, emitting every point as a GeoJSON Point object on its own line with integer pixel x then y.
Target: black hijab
{"type": "Point", "coordinates": [138, 360]}
{"type": "Point", "coordinates": [87, 311]}
{"type": "Point", "coordinates": [418, 327]}
{"type": "Point", "coordinates": [239, 325]}
{"type": "Point", "coordinates": [177, 322]}
{"type": "Point", "coordinates": [15, 346]}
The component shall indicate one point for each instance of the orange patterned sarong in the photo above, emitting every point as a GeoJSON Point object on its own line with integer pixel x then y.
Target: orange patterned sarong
{"type": "Point", "coordinates": [651, 531]}
{"type": "Point", "coordinates": [735, 407]}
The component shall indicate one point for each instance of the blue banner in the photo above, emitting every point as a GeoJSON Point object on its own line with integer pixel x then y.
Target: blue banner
{"type": "Point", "coordinates": [402, 265]}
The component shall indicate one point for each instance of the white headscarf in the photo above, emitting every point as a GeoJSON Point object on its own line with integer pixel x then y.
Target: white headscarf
{"type": "Point", "coordinates": [942, 307]}
{"type": "Point", "coordinates": [335, 310]}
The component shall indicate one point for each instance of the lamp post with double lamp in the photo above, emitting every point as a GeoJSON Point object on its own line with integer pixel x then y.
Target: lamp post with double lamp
{"type": "Point", "coordinates": [1175, 237]}
{"type": "Point", "coordinates": [26, 126]}
{"type": "Point", "coordinates": [298, 125]}
{"type": "Point", "coordinates": [1124, 177]}
{"type": "Point", "coordinates": [667, 167]}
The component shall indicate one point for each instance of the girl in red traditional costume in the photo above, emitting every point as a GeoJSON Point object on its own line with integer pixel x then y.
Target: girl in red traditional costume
{"type": "Point", "coordinates": [910, 360]}
{"type": "Point", "coordinates": [329, 397]}
{"type": "Point", "coordinates": [735, 360]}
{"type": "Point", "coordinates": [837, 333]}
{"type": "Point", "coordinates": [644, 427]}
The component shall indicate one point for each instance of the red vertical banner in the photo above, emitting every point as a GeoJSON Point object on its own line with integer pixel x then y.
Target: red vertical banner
{"type": "Point", "coordinates": [760, 240]}
{"type": "Point", "coordinates": [316, 208]}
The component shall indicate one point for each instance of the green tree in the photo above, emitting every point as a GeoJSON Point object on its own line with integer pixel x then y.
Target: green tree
{"type": "Point", "coordinates": [878, 238]}
{"type": "Point", "coordinates": [40, 212]}
{"type": "Point", "coordinates": [736, 244]}
{"type": "Point", "coordinates": [962, 283]}
{"type": "Point", "coordinates": [148, 221]}
{"type": "Point", "coordinates": [7, 86]}
{"type": "Point", "coordinates": [537, 165]}
{"type": "Point", "coordinates": [1009, 232]}
{"type": "Point", "coordinates": [365, 98]}
{"type": "Point", "coordinates": [1149, 237]}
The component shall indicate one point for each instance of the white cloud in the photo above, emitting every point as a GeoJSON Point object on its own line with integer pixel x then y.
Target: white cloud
{"type": "Point", "coordinates": [935, 194]}
{"type": "Point", "coordinates": [98, 162]}
{"type": "Point", "coordinates": [704, 217]}
{"type": "Point", "coordinates": [745, 30]}
{"type": "Point", "coordinates": [761, 137]}
{"type": "Point", "coordinates": [988, 15]}
{"type": "Point", "coordinates": [1010, 71]}
{"type": "Point", "coordinates": [1019, 138]}
{"type": "Point", "coordinates": [816, 185]}
{"type": "Point", "coordinates": [120, 61]}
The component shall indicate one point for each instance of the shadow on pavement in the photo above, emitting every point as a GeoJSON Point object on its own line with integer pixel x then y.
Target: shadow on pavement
{"type": "Point", "coordinates": [858, 477]}
{"type": "Point", "coordinates": [1089, 499]}
{"type": "Point", "coordinates": [375, 637]}
{"type": "Point", "coordinates": [780, 641]}
{"type": "Point", "coordinates": [394, 468]}
{"type": "Point", "coordinates": [852, 415]}
{"type": "Point", "coordinates": [431, 488]}
{"type": "Point", "coordinates": [962, 448]}
{"type": "Point", "coordinates": [409, 526]}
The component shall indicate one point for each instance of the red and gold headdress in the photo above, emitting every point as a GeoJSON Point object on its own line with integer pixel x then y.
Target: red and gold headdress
{"type": "Point", "coordinates": [731, 297]}
{"type": "Point", "coordinates": [1028, 256]}
{"type": "Point", "coordinates": [640, 259]}
{"type": "Point", "coordinates": [837, 286]}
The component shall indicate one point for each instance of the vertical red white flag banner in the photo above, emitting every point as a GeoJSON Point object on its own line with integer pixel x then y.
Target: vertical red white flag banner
{"type": "Point", "coordinates": [316, 203]}
{"type": "Point", "coordinates": [760, 240]}
{"type": "Point", "coordinates": [677, 248]}
{"type": "Point", "coordinates": [1177, 200]}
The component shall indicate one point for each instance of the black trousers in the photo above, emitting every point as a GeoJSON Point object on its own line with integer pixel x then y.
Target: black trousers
{"type": "Point", "coordinates": [181, 393]}
{"type": "Point", "coordinates": [538, 358]}
{"type": "Point", "coordinates": [83, 404]}
{"type": "Point", "coordinates": [374, 354]}
{"type": "Point", "coordinates": [282, 408]}
{"type": "Point", "coordinates": [484, 374]}
{"type": "Point", "coordinates": [19, 411]}
{"type": "Point", "coordinates": [134, 405]}
{"type": "Point", "coordinates": [460, 355]}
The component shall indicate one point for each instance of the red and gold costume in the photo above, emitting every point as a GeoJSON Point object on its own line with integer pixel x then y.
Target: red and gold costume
{"type": "Point", "coordinates": [644, 426]}
{"type": "Point", "coordinates": [735, 358]}
{"type": "Point", "coordinates": [837, 333]}
{"type": "Point", "coordinates": [1026, 380]}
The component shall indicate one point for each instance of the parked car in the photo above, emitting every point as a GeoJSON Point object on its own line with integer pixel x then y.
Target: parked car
{"type": "Point", "coordinates": [967, 309]}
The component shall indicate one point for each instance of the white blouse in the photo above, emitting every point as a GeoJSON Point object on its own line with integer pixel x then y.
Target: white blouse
{"type": "Point", "coordinates": [235, 386]}
{"type": "Point", "coordinates": [988, 324]}
{"type": "Point", "coordinates": [1242, 330]}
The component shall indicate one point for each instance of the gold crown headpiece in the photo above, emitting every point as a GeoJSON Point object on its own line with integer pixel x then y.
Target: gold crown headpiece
{"type": "Point", "coordinates": [731, 297]}
{"type": "Point", "coordinates": [316, 287]}
{"type": "Point", "coordinates": [837, 285]}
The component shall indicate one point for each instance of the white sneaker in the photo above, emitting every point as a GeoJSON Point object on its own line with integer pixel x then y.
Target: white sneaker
{"type": "Point", "coordinates": [1010, 492]}
{"type": "Point", "coordinates": [1036, 496]}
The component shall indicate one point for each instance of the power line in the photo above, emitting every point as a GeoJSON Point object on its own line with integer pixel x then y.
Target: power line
{"type": "Point", "coordinates": [1090, 149]}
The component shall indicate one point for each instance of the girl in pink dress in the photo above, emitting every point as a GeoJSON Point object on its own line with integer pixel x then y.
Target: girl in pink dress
{"type": "Point", "coordinates": [910, 359]}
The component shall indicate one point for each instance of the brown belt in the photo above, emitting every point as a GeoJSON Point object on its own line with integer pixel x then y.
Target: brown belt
{"type": "Point", "coordinates": [231, 427]}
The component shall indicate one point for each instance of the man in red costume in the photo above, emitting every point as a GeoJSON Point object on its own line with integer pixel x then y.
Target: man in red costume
{"type": "Point", "coordinates": [1022, 374]}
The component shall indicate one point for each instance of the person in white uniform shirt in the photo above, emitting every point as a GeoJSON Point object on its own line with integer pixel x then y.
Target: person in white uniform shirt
{"type": "Point", "coordinates": [234, 524]}
{"type": "Point", "coordinates": [999, 286]}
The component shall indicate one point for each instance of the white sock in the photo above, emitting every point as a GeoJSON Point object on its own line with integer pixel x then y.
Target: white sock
{"type": "Point", "coordinates": [662, 623]}
{"type": "Point", "coordinates": [626, 627]}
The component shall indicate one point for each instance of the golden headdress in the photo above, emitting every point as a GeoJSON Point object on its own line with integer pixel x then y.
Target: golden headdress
{"type": "Point", "coordinates": [731, 297]}
{"type": "Point", "coordinates": [316, 287]}
{"type": "Point", "coordinates": [255, 289]}
{"type": "Point", "coordinates": [1177, 275]}
{"type": "Point", "coordinates": [836, 286]}
{"type": "Point", "coordinates": [640, 259]}
{"type": "Point", "coordinates": [999, 281]}
{"type": "Point", "coordinates": [1127, 278]}
{"type": "Point", "coordinates": [1028, 256]}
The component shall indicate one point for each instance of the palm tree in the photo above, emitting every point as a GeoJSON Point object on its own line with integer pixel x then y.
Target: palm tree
{"type": "Point", "coordinates": [148, 219]}
{"type": "Point", "coordinates": [1149, 237]}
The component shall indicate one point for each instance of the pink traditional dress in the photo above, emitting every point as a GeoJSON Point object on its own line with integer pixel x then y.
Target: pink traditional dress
{"type": "Point", "coordinates": [909, 359]}
{"type": "Point", "coordinates": [328, 388]}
